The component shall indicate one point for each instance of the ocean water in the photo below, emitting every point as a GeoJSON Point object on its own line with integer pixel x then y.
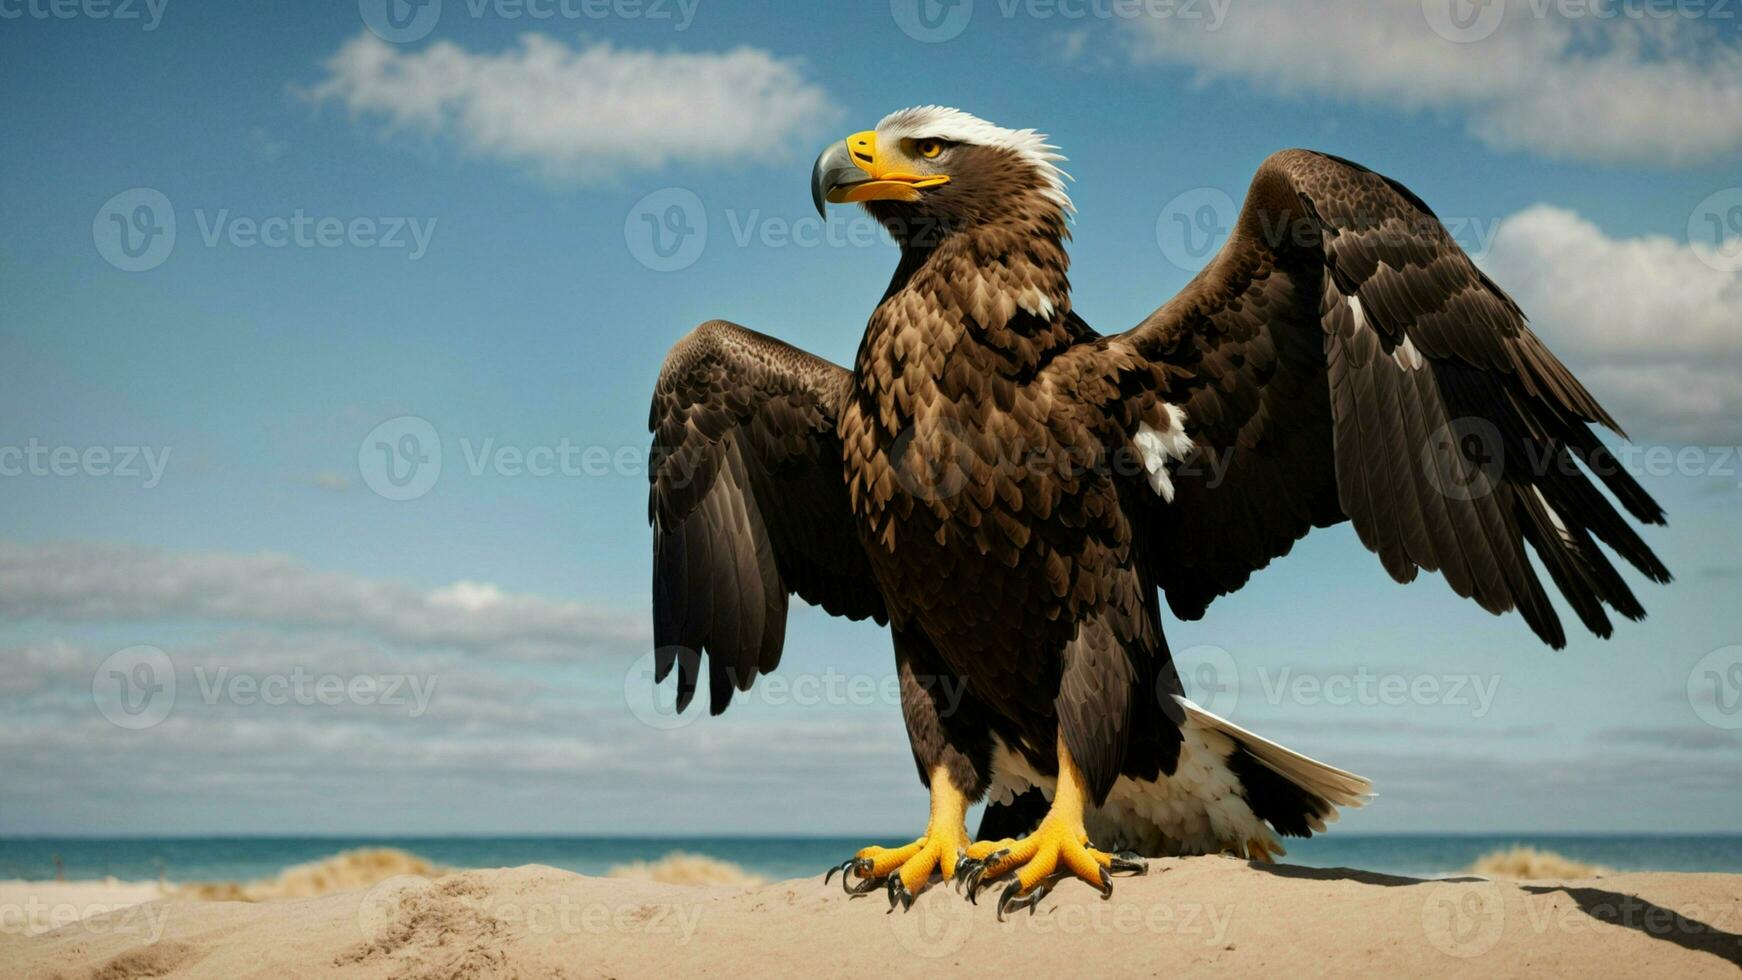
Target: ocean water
{"type": "Point", "coordinates": [183, 859]}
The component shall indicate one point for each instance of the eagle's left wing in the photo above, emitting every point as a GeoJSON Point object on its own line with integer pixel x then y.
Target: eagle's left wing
{"type": "Point", "coordinates": [1342, 358]}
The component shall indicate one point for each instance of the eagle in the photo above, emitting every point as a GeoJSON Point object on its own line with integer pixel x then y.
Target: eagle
{"type": "Point", "coordinates": [1014, 494]}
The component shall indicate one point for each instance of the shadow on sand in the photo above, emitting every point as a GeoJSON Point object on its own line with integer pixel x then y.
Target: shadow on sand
{"type": "Point", "coordinates": [1613, 908]}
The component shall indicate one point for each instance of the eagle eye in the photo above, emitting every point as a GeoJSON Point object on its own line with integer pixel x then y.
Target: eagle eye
{"type": "Point", "coordinates": [928, 148]}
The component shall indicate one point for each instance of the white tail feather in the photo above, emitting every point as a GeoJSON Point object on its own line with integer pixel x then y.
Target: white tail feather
{"type": "Point", "coordinates": [1202, 807]}
{"type": "Point", "coordinates": [1338, 786]}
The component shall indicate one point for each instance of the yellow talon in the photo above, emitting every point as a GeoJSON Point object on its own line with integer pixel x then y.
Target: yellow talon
{"type": "Point", "coordinates": [905, 870]}
{"type": "Point", "coordinates": [1059, 845]}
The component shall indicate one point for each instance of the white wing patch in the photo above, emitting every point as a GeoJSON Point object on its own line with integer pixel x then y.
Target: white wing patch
{"type": "Point", "coordinates": [1158, 447]}
{"type": "Point", "coordinates": [1406, 354]}
{"type": "Point", "coordinates": [1553, 515]}
{"type": "Point", "coordinates": [1035, 302]}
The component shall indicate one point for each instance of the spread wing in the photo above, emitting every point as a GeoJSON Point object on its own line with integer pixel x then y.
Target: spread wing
{"type": "Point", "coordinates": [1342, 358]}
{"type": "Point", "coordinates": [748, 504]}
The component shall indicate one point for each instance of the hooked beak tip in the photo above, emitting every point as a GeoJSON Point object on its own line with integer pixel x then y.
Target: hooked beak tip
{"type": "Point", "coordinates": [834, 168]}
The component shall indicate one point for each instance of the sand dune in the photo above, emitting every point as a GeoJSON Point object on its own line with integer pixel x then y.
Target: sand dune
{"type": "Point", "coordinates": [1187, 916]}
{"type": "Point", "coordinates": [1528, 863]}
{"type": "Point", "coordinates": [680, 868]}
{"type": "Point", "coordinates": [344, 871]}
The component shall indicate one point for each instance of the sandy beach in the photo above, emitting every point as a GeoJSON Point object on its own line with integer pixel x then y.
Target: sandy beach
{"type": "Point", "coordinates": [1191, 916]}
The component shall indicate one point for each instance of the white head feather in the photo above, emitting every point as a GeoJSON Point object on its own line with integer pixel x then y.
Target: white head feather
{"type": "Point", "coordinates": [956, 126]}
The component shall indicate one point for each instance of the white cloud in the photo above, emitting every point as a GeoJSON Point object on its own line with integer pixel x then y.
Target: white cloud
{"type": "Point", "coordinates": [589, 112]}
{"type": "Point", "coordinates": [96, 582]}
{"type": "Point", "coordinates": [1648, 325]}
{"type": "Point", "coordinates": [1585, 88]}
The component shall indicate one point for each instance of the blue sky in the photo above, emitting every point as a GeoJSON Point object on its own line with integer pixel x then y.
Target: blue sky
{"type": "Point", "coordinates": [485, 283]}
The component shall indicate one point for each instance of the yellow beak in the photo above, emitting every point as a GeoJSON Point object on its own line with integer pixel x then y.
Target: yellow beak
{"type": "Point", "coordinates": [852, 170]}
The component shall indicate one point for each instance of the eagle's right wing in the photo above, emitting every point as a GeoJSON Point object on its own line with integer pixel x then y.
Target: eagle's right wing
{"type": "Point", "coordinates": [747, 504]}
{"type": "Point", "coordinates": [1342, 358]}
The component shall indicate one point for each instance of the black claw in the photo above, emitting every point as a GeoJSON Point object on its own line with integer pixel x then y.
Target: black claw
{"type": "Point", "coordinates": [976, 878]}
{"type": "Point", "coordinates": [848, 869]}
{"type": "Point", "coordinates": [1106, 885]}
{"type": "Point", "coordinates": [842, 868]}
{"type": "Point", "coordinates": [898, 893]}
{"type": "Point", "coordinates": [1010, 901]}
{"type": "Point", "coordinates": [1129, 861]}
{"type": "Point", "coordinates": [963, 867]}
